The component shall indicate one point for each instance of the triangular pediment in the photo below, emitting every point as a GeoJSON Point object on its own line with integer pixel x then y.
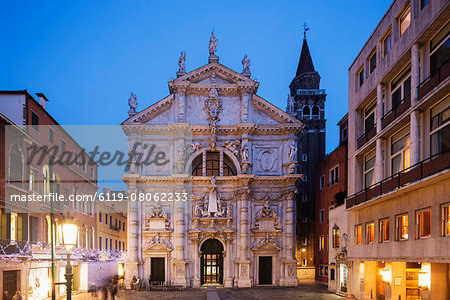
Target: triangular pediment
{"type": "Point", "coordinates": [266, 246]}
{"type": "Point", "coordinates": [152, 111]}
{"type": "Point", "coordinates": [222, 73]}
{"type": "Point", "coordinates": [158, 247]}
{"type": "Point", "coordinates": [271, 111]}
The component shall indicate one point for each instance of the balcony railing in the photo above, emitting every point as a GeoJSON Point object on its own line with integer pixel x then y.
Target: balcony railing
{"type": "Point", "coordinates": [367, 136]}
{"type": "Point", "coordinates": [391, 115]}
{"type": "Point", "coordinates": [423, 169]}
{"type": "Point", "coordinates": [11, 247]}
{"type": "Point", "coordinates": [434, 79]}
{"type": "Point", "coordinates": [113, 227]}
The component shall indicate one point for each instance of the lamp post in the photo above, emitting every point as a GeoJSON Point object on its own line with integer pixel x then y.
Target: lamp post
{"type": "Point", "coordinates": [68, 231]}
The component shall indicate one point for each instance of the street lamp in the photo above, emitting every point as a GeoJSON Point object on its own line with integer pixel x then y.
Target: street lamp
{"type": "Point", "coordinates": [68, 232]}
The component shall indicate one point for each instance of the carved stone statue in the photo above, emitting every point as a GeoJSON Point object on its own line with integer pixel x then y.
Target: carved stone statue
{"type": "Point", "coordinates": [212, 203]}
{"type": "Point", "coordinates": [244, 153]}
{"type": "Point", "coordinates": [246, 66]}
{"type": "Point", "coordinates": [232, 146]}
{"type": "Point", "coordinates": [132, 103]}
{"type": "Point", "coordinates": [212, 45]}
{"type": "Point", "coordinates": [292, 152]}
{"type": "Point", "coordinates": [290, 105]}
{"type": "Point", "coordinates": [181, 63]}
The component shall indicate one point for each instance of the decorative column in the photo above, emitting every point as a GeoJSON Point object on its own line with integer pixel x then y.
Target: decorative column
{"type": "Point", "coordinates": [244, 105]}
{"type": "Point", "coordinates": [132, 264]}
{"type": "Point", "coordinates": [243, 261]}
{"type": "Point", "coordinates": [196, 256]}
{"type": "Point", "coordinates": [179, 263]}
{"type": "Point", "coordinates": [289, 277]}
{"type": "Point", "coordinates": [228, 281]}
{"type": "Point", "coordinates": [181, 105]}
{"type": "Point", "coordinates": [414, 126]}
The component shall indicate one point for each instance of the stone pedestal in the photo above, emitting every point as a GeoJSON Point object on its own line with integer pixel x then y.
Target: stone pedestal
{"type": "Point", "coordinates": [244, 274]}
{"type": "Point", "coordinates": [179, 267]}
{"type": "Point", "coordinates": [213, 58]}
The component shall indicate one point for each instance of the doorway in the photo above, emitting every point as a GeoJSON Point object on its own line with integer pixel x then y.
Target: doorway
{"type": "Point", "coordinates": [265, 270]}
{"type": "Point", "coordinates": [157, 269]}
{"type": "Point", "coordinates": [11, 284]}
{"type": "Point", "coordinates": [212, 262]}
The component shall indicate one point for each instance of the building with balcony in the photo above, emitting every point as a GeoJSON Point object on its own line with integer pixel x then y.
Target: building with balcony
{"type": "Point", "coordinates": [26, 230]}
{"type": "Point", "coordinates": [398, 156]}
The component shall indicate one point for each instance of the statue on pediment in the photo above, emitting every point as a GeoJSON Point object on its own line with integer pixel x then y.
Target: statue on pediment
{"type": "Point", "coordinates": [182, 63]}
{"type": "Point", "coordinates": [132, 103]}
{"type": "Point", "coordinates": [212, 45]}
{"type": "Point", "coordinates": [246, 66]}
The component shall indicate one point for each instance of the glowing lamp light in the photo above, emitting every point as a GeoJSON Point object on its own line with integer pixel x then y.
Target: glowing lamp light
{"type": "Point", "coordinates": [68, 232]}
{"type": "Point", "coordinates": [120, 270]}
{"type": "Point", "coordinates": [424, 276]}
{"type": "Point", "coordinates": [303, 249]}
{"type": "Point", "coordinates": [386, 274]}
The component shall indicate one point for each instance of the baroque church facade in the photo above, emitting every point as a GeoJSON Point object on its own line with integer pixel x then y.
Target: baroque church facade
{"type": "Point", "coordinates": [232, 156]}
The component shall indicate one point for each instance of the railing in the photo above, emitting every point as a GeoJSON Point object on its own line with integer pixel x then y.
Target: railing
{"type": "Point", "coordinates": [434, 79]}
{"type": "Point", "coordinates": [113, 227]}
{"type": "Point", "coordinates": [367, 136]}
{"type": "Point", "coordinates": [419, 171]}
{"type": "Point", "coordinates": [310, 92]}
{"type": "Point", "coordinates": [391, 115]}
{"type": "Point", "coordinates": [12, 247]}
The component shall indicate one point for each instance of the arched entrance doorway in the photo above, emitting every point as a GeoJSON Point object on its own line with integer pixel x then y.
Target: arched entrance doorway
{"type": "Point", "coordinates": [211, 262]}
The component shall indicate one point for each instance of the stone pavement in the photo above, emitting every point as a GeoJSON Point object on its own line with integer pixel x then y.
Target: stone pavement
{"type": "Point", "coordinates": [303, 291]}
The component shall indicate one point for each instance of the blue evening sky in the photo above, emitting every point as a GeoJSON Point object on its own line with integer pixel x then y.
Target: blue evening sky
{"type": "Point", "coordinates": [86, 56]}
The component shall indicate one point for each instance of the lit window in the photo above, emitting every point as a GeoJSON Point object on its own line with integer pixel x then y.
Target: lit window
{"type": "Point", "coordinates": [440, 127]}
{"type": "Point", "coordinates": [387, 43]}
{"type": "Point", "coordinates": [384, 230]}
{"type": "Point", "coordinates": [358, 235]}
{"type": "Point", "coordinates": [405, 20]}
{"type": "Point", "coordinates": [336, 237]}
{"type": "Point", "coordinates": [321, 216]}
{"type": "Point", "coordinates": [334, 175]}
{"type": "Point", "coordinates": [424, 224]}
{"type": "Point", "coordinates": [373, 62]}
{"type": "Point", "coordinates": [322, 182]}
{"type": "Point", "coordinates": [370, 233]}
{"type": "Point", "coordinates": [369, 169]}
{"type": "Point", "coordinates": [304, 262]}
{"type": "Point", "coordinates": [446, 220]}
{"type": "Point", "coordinates": [402, 227]}
{"type": "Point", "coordinates": [212, 165]}
{"type": "Point", "coordinates": [304, 241]}
{"type": "Point", "coordinates": [321, 242]}
{"type": "Point", "coordinates": [400, 154]}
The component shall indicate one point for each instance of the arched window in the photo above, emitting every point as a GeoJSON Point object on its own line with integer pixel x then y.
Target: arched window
{"type": "Point", "coordinates": [213, 165]}
{"type": "Point", "coordinates": [47, 229]}
{"type": "Point", "coordinates": [315, 111]}
{"type": "Point", "coordinates": [84, 236]}
{"type": "Point", "coordinates": [15, 165]}
{"type": "Point", "coordinates": [306, 112]}
{"type": "Point", "coordinates": [91, 238]}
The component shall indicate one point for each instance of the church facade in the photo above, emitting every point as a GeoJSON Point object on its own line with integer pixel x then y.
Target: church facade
{"type": "Point", "coordinates": [220, 206]}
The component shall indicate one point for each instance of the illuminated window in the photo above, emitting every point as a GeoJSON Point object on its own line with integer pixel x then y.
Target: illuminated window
{"type": "Point", "coordinates": [384, 230]}
{"type": "Point", "coordinates": [446, 220]}
{"type": "Point", "coordinates": [402, 227]}
{"type": "Point", "coordinates": [370, 233]}
{"type": "Point", "coordinates": [358, 234]}
{"type": "Point", "coordinates": [400, 154]}
{"type": "Point", "coordinates": [336, 237]}
{"type": "Point", "coordinates": [321, 242]}
{"type": "Point", "coordinates": [424, 224]}
{"type": "Point", "coordinates": [405, 20]}
{"type": "Point", "coordinates": [369, 169]}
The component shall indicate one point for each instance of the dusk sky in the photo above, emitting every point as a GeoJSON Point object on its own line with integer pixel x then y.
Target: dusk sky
{"type": "Point", "coordinates": [87, 56]}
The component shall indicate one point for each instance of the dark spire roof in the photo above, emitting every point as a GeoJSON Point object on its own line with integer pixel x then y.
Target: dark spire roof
{"type": "Point", "coordinates": [305, 64]}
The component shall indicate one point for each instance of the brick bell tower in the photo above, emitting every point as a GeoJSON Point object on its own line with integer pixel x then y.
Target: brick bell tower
{"type": "Point", "coordinates": [306, 102]}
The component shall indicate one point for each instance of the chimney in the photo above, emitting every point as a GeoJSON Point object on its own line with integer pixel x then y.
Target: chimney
{"type": "Point", "coordinates": [42, 99]}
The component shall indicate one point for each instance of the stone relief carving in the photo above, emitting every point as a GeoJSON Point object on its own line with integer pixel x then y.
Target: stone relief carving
{"type": "Point", "coordinates": [213, 107]}
{"type": "Point", "coordinates": [292, 152]}
{"type": "Point", "coordinates": [265, 240]}
{"type": "Point", "coordinates": [266, 212]}
{"type": "Point", "coordinates": [245, 163]}
{"type": "Point", "coordinates": [232, 146]}
{"type": "Point", "coordinates": [196, 147]}
{"type": "Point", "coordinates": [212, 204]}
{"type": "Point", "coordinates": [157, 240]}
{"type": "Point", "coordinates": [267, 160]}
{"type": "Point", "coordinates": [157, 212]}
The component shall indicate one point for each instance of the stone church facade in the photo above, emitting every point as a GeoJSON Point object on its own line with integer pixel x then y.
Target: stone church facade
{"type": "Point", "coordinates": [233, 154]}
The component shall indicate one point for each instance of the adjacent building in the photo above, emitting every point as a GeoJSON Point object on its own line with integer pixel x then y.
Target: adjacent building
{"type": "Point", "coordinates": [26, 230]}
{"type": "Point", "coordinates": [331, 185]}
{"type": "Point", "coordinates": [306, 102]}
{"type": "Point", "coordinates": [398, 156]}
